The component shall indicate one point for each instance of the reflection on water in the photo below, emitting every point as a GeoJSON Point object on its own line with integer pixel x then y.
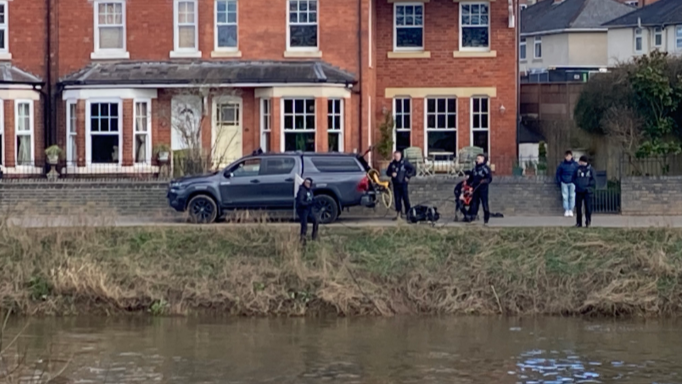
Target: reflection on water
{"type": "Point", "coordinates": [403, 350]}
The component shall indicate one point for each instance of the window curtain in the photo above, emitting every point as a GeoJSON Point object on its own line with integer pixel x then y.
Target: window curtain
{"type": "Point", "coordinates": [24, 150]}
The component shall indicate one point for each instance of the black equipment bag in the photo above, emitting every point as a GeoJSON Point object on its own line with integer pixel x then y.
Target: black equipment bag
{"type": "Point", "coordinates": [423, 213]}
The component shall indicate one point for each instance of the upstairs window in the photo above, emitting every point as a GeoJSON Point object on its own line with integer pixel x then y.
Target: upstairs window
{"type": "Point", "coordinates": [475, 26]}
{"type": "Point", "coordinates": [226, 24]}
{"type": "Point", "coordinates": [110, 29]}
{"type": "Point", "coordinates": [408, 31]}
{"type": "Point", "coordinates": [522, 49]}
{"type": "Point", "coordinates": [186, 35]}
{"type": "Point", "coordinates": [3, 27]}
{"type": "Point", "coordinates": [639, 43]}
{"type": "Point", "coordinates": [302, 24]}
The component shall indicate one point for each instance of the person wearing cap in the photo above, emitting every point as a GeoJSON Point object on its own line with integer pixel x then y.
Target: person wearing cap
{"type": "Point", "coordinates": [305, 202]}
{"type": "Point", "coordinates": [482, 176]}
{"type": "Point", "coordinates": [584, 182]}
{"type": "Point", "coordinates": [400, 171]}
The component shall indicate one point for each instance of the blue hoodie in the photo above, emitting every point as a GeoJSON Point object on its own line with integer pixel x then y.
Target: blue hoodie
{"type": "Point", "coordinates": [565, 171]}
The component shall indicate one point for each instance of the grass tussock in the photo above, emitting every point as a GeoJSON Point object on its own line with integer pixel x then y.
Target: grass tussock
{"type": "Point", "coordinates": [262, 270]}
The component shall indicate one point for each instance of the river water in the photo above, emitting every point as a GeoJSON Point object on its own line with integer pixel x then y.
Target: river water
{"type": "Point", "coordinates": [367, 350]}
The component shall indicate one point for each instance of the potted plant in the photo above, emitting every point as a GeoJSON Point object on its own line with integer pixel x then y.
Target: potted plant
{"type": "Point", "coordinates": [53, 152]}
{"type": "Point", "coordinates": [530, 168]}
{"type": "Point", "coordinates": [517, 169]}
{"type": "Point", "coordinates": [384, 146]}
{"type": "Point", "coordinates": [162, 152]}
{"type": "Point", "coordinates": [542, 159]}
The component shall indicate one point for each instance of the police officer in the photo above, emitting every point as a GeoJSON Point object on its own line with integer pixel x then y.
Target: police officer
{"type": "Point", "coordinates": [584, 182]}
{"type": "Point", "coordinates": [305, 209]}
{"type": "Point", "coordinates": [400, 171]}
{"type": "Point", "coordinates": [482, 176]}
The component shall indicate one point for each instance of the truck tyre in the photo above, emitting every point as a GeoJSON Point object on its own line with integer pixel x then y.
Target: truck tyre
{"type": "Point", "coordinates": [326, 208]}
{"type": "Point", "coordinates": [202, 209]}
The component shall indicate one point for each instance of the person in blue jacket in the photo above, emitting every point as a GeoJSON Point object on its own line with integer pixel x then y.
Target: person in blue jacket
{"type": "Point", "coordinates": [584, 181]}
{"type": "Point", "coordinates": [564, 178]}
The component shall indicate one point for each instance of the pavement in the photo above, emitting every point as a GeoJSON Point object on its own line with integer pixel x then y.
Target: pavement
{"type": "Point", "coordinates": [604, 221]}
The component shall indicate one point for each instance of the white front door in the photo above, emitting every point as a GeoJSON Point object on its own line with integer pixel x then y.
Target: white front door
{"type": "Point", "coordinates": [227, 132]}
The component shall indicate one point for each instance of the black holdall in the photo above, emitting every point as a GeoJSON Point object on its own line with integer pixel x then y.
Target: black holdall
{"type": "Point", "coordinates": [420, 213]}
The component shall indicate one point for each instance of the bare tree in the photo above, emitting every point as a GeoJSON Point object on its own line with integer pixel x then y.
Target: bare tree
{"type": "Point", "coordinates": [623, 129]}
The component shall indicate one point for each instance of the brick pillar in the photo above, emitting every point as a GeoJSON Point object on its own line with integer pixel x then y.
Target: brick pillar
{"type": "Point", "coordinates": [322, 125]}
{"type": "Point", "coordinates": [80, 132]}
{"type": "Point", "coordinates": [463, 122]}
{"type": "Point", "coordinates": [206, 125]}
{"type": "Point", "coordinates": [38, 133]}
{"type": "Point", "coordinates": [418, 126]}
{"type": "Point", "coordinates": [127, 134]}
{"type": "Point", "coordinates": [10, 138]}
{"type": "Point", "coordinates": [348, 135]}
{"type": "Point", "coordinates": [276, 124]}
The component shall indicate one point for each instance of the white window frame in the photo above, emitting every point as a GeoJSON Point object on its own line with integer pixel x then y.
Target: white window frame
{"type": "Point", "coordinates": [658, 32]}
{"type": "Point", "coordinates": [265, 123]}
{"type": "Point", "coordinates": [185, 52]}
{"type": "Point", "coordinates": [4, 28]}
{"type": "Point", "coordinates": [148, 143]}
{"type": "Point", "coordinates": [426, 121]}
{"type": "Point", "coordinates": [100, 53]}
{"type": "Point", "coordinates": [462, 26]}
{"type": "Point", "coordinates": [88, 131]}
{"type": "Point", "coordinates": [336, 114]}
{"type": "Point", "coordinates": [317, 25]}
{"type": "Point", "coordinates": [283, 114]}
{"type": "Point", "coordinates": [17, 102]}
{"type": "Point", "coordinates": [395, 26]}
{"type": "Point", "coordinates": [216, 47]}
{"type": "Point", "coordinates": [537, 41]}
{"type": "Point", "coordinates": [471, 121]}
{"type": "Point", "coordinates": [395, 117]}
{"type": "Point", "coordinates": [523, 43]}
{"type": "Point", "coordinates": [69, 117]}
{"type": "Point", "coordinates": [639, 36]}
{"type": "Point", "coordinates": [678, 38]}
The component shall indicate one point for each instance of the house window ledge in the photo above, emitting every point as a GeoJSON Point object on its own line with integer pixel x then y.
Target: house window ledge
{"type": "Point", "coordinates": [225, 54]}
{"type": "Point", "coordinates": [5, 56]}
{"type": "Point", "coordinates": [185, 55]}
{"type": "Point", "coordinates": [465, 54]}
{"type": "Point", "coordinates": [22, 170]}
{"type": "Point", "coordinates": [409, 55]}
{"type": "Point", "coordinates": [109, 55]}
{"type": "Point", "coordinates": [303, 54]}
{"type": "Point", "coordinates": [109, 169]}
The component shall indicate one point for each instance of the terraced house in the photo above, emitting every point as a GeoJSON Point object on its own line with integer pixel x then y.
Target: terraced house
{"type": "Point", "coordinates": [113, 81]}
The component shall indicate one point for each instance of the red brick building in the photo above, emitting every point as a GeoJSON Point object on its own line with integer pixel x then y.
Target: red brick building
{"type": "Point", "coordinates": [231, 76]}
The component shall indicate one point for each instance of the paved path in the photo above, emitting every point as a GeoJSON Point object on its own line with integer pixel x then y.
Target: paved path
{"type": "Point", "coordinates": [608, 221]}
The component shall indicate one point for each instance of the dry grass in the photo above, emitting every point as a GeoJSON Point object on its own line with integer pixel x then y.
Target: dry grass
{"type": "Point", "coordinates": [262, 270]}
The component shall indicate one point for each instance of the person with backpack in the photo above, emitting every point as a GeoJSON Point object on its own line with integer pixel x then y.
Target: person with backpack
{"type": "Point", "coordinates": [481, 177]}
{"type": "Point", "coordinates": [584, 181]}
{"type": "Point", "coordinates": [305, 203]}
{"type": "Point", "coordinates": [400, 171]}
{"type": "Point", "coordinates": [463, 196]}
{"type": "Point", "coordinates": [564, 178]}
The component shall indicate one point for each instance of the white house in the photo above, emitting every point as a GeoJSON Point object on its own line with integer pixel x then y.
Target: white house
{"type": "Point", "coordinates": [656, 26]}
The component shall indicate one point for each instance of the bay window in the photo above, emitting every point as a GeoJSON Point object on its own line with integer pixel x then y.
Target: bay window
{"type": "Point", "coordinates": [265, 128]}
{"type": "Point", "coordinates": [23, 127]}
{"type": "Point", "coordinates": [142, 149]}
{"type": "Point", "coordinates": [335, 125]}
{"type": "Point", "coordinates": [71, 143]}
{"type": "Point", "coordinates": [299, 125]}
{"type": "Point", "coordinates": [104, 131]}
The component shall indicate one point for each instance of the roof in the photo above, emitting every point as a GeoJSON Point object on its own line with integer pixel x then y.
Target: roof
{"type": "Point", "coordinates": [209, 72]}
{"type": "Point", "coordinates": [11, 74]}
{"type": "Point", "coordinates": [545, 16]}
{"type": "Point", "coordinates": [662, 12]}
{"type": "Point", "coordinates": [527, 135]}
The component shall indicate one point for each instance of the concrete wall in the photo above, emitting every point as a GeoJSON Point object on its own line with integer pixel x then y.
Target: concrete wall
{"type": "Point", "coordinates": [621, 43]}
{"type": "Point", "coordinates": [578, 49]}
{"type": "Point", "coordinates": [512, 196]}
{"type": "Point", "coordinates": [554, 52]}
{"type": "Point", "coordinates": [588, 49]}
{"type": "Point", "coordinates": [651, 196]}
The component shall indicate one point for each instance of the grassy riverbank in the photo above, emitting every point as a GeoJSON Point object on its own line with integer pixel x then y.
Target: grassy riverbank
{"type": "Point", "coordinates": [263, 271]}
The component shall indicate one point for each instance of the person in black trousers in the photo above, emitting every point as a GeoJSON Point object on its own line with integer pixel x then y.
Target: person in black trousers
{"type": "Point", "coordinates": [400, 171]}
{"type": "Point", "coordinates": [305, 209]}
{"type": "Point", "coordinates": [584, 182]}
{"type": "Point", "coordinates": [482, 176]}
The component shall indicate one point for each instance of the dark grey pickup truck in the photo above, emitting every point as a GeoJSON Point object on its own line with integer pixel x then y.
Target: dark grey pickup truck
{"type": "Point", "coordinates": [266, 182]}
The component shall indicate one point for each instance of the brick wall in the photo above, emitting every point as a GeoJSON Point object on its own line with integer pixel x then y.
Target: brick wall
{"type": "Point", "coordinates": [651, 195]}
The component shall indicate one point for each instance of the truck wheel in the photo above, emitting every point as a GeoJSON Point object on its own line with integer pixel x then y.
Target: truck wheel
{"type": "Point", "coordinates": [202, 209]}
{"type": "Point", "coordinates": [326, 208]}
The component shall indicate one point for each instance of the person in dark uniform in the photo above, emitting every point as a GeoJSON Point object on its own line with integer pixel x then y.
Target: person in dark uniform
{"type": "Point", "coordinates": [400, 171]}
{"type": "Point", "coordinates": [305, 209]}
{"type": "Point", "coordinates": [584, 182]}
{"type": "Point", "coordinates": [482, 176]}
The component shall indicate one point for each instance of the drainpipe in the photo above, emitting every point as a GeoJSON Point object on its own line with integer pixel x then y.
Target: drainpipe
{"type": "Point", "coordinates": [360, 64]}
{"type": "Point", "coordinates": [517, 35]}
{"type": "Point", "coordinates": [47, 111]}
